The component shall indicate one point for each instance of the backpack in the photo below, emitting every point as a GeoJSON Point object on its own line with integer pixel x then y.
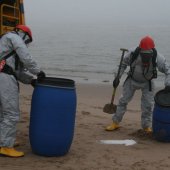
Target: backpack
{"type": "Point", "coordinates": [8, 55]}
{"type": "Point", "coordinates": [134, 56]}
{"type": "Point", "coordinates": [6, 68]}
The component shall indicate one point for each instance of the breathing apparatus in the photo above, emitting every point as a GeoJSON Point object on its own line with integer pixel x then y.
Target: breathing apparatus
{"type": "Point", "coordinates": [146, 46]}
{"type": "Point", "coordinates": [24, 32]}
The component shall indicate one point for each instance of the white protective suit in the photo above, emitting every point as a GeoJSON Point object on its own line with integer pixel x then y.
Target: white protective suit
{"type": "Point", "coordinates": [9, 90]}
{"type": "Point", "coordinates": [139, 82]}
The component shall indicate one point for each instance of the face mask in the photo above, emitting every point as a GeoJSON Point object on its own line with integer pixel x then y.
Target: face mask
{"type": "Point", "coordinates": [146, 58]}
{"type": "Point", "coordinates": [25, 37]}
{"type": "Point", "coordinates": [27, 40]}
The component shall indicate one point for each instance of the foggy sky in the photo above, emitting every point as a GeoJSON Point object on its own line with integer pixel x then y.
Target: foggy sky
{"type": "Point", "coordinates": [54, 11]}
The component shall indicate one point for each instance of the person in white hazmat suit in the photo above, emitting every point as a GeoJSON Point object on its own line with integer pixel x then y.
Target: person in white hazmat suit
{"type": "Point", "coordinates": [17, 65]}
{"type": "Point", "coordinates": [143, 62]}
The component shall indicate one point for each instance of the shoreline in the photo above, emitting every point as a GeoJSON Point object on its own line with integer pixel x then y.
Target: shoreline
{"type": "Point", "coordinates": [104, 79]}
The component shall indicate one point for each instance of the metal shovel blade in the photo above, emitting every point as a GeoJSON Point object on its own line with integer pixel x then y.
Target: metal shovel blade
{"type": "Point", "coordinates": [109, 108]}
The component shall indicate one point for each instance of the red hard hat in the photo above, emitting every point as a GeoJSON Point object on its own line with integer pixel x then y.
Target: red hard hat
{"type": "Point", "coordinates": [25, 29]}
{"type": "Point", "coordinates": [147, 43]}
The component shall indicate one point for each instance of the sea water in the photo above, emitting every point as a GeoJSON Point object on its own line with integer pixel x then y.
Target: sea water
{"type": "Point", "coordinates": [90, 53]}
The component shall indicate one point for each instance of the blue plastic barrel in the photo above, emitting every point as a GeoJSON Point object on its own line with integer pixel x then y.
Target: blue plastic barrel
{"type": "Point", "coordinates": [52, 119]}
{"type": "Point", "coordinates": [161, 116]}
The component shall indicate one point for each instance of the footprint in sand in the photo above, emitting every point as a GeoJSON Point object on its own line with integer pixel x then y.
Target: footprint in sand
{"type": "Point", "coordinates": [85, 113]}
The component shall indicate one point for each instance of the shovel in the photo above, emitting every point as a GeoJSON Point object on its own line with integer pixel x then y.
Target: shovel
{"type": "Point", "coordinates": [111, 107]}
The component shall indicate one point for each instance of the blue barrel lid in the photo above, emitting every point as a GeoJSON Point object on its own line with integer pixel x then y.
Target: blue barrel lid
{"type": "Point", "coordinates": [162, 98]}
{"type": "Point", "coordinates": [59, 82]}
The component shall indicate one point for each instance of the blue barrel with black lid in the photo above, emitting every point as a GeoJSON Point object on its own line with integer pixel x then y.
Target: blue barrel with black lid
{"type": "Point", "coordinates": [52, 119]}
{"type": "Point", "coordinates": [161, 116]}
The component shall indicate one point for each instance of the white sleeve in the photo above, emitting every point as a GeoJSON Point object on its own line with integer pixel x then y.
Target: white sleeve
{"type": "Point", "coordinates": [24, 55]}
{"type": "Point", "coordinates": [164, 67]}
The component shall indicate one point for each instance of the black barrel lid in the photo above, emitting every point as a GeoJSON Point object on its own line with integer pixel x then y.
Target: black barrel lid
{"type": "Point", "coordinates": [162, 98]}
{"type": "Point", "coordinates": [59, 82]}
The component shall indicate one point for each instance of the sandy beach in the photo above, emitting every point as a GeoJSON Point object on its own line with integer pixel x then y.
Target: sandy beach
{"type": "Point", "coordinates": [86, 152]}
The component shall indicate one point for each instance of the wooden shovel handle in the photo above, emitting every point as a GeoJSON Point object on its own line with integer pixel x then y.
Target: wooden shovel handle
{"type": "Point", "coordinates": [113, 95]}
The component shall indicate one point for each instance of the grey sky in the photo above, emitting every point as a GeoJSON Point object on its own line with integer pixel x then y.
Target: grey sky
{"type": "Point", "coordinates": [54, 11]}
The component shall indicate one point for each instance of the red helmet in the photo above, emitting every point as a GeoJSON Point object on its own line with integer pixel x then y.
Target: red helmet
{"type": "Point", "coordinates": [26, 29]}
{"type": "Point", "coordinates": [147, 43]}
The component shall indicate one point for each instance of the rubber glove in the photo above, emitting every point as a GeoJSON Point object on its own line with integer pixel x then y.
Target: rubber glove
{"type": "Point", "coordinates": [116, 82]}
{"type": "Point", "coordinates": [41, 75]}
{"type": "Point", "coordinates": [33, 82]}
{"type": "Point", "coordinates": [167, 88]}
